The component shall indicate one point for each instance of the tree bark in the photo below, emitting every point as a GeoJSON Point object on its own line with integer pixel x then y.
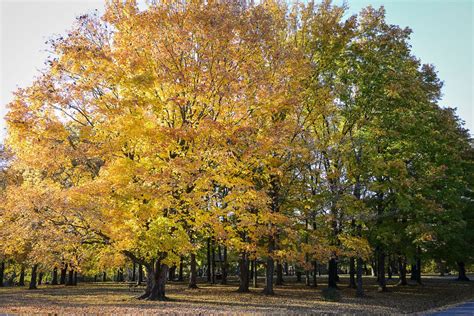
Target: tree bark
{"type": "Point", "coordinates": [180, 271]}
{"type": "Point", "coordinates": [381, 271]}
{"type": "Point", "coordinates": [192, 272]}
{"type": "Point", "coordinates": [171, 274]}
{"type": "Point", "coordinates": [70, 279]}
{"type": "Point", "coordinates": [332, 273]}
{"type": "Point", "coordinates": [243, 273]}
{"type": "Point", "coordinates": [150, 275]}
{"type": "Point", "coordinates": [360, 289]}
{"type": "Point", "coordinates": [62, 280]}
{"type": "Point", "coordinates": [255, 276]}
{"type": "Point", "coordinates": [159, 282]}
{"type": "Point", "coordinates": [54, 280]}
{"type": "Point", "coordinates": [279, 273]}
{"type": "Point", "coordinates": [140, 274]}
{"type": "Point", "coordinates": [224, 265]}
{"type": "Point", "coordinates": [213, 262]}
{"type": "Point", "coordinates": [21, 281]}
{"type": "Point", "coordinates": [208, 273]}
{"type": "Point", "coordinates": [462, 272]}
{"type": "Point", "coordinates": [33, 277]}
{"type": "Point", "coordinates": [268, 289]}
{"type": "Point", "coordinates": [402, 271]}
{"type": "Point", "coordinates": [75, 278]}
{"type": "Point", "coordinates": [352, 272]}
{"type": "Point", "coordinates": [40, 278]}
{"type": "Point", "coordinates": [134, 268]}
{"type": "Point", "coordinates": [2, 272]}
{"type": "Point", "coordinates": [315, 273]}
{"type": "Point", "coordinates": [104, 276]}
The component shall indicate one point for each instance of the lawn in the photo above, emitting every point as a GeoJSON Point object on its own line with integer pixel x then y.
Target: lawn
{"type": "Point", "coordinates": [291, 298]}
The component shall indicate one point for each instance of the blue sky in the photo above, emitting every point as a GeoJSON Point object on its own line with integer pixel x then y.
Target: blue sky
{"type": "Point", "coordinates": [442, 35]}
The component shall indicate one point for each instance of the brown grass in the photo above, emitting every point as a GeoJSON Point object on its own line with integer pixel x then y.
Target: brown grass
{"type": "Point", "coordinates": [292, 298]}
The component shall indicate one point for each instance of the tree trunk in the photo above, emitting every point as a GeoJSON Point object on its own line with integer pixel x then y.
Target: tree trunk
{"type": "Point", "coordinates": [21, 281]}
{"type": "Point", "coordinates": [255, 276]}
{"type": "Point", "coordinates": [381, 271]}
{"type": "Point", "coordinates": [279, 273]}
{"type": "Point", "coordinates": [208, 274]}
{"type": "Point", "coordinates": [213, 262]}
{"type": "Point", "coordinates": [54, 280]}
{"type": "Point", "coordinates": [33, 277]}
{"type": "Point", "coordinates": [389, 268]}
{"type": "Point", "coordinates": [40, 278]}
{"type": "Point", "coordinates": [360, 289]}
{"type": "Point", "coordinates": [192, 272]}
{"type": "Point", "coordinates": [268, 289]}
{"type": "Point", "coordinates": [402, 271]}
{"type": "Point", "coordinates": [332, 273]}
{"type": "Point", "coordinates": [298, 276]}
{"type": "Point", "coordinates": [180, 270]}
{"type": "Point", "coordinates": [75, 278]}
{"type": "Point", "coordinates": [70, 279]}
{"type": "Point", "coordinates": [62, 280]}
{"type": "Point", "coordinates": [171, 274]}
{"type": "Point", "coordinates": [159, 282]}
{"type": "Point", "coordinates": [352, 272]}
{"type": "Point", "coordinates": [150, 275]}
{"type": "Point", "coordinates": [287, 272]}
{"type": "Point", "coordinates": [2, 272]}
{"type": "Point", "coordinates": [462, 272]}
{"type": "Point", "coordinates": [134, 268]}
{"type": "Point", "coordinates": [315, 273]}
{"type": "Point", "coordinates": [104, 276]}
{"type": "Point", "coordinates": [224, 266]}
{"type": "Point", "coordinates": [140, 274]}
{"type": "Point", "coordinates": [243, 273]}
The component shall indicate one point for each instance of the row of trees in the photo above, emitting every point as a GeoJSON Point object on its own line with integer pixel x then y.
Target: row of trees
{"type": "Point", "coordinates": [283, 133]}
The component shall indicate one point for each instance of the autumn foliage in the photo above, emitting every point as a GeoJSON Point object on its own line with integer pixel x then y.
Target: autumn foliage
{"type": "Point", "coordinates": [275, 134]}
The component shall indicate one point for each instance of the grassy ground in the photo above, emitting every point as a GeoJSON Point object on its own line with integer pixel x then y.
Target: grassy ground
{"type": "Point", "coordinates": [216, 299]}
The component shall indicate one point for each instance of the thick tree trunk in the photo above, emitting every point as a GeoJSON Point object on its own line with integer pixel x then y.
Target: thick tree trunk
{"type": "Point", "coordinates": [33, 277]}
{"type": "Point", "coordinates": [279, 273]}
{"type": "Point", "coordinates": [402, 270]}
{"type": "Point", "coordinates": [150, 275]}
{"type": "Point", "coordinates": [158, 289]}
{"type": "Point", "coordinates": [315, 273]}
{"type": "Point", "coordinates": [270, 269]}
{"type": "Point", "coordinates": [62, 280]}
{"type": "Point", "coordinates": [21, 281]}
{"type": "Point", "coordinates": [134, 269]}
{"type": "Point", "coordinates": [352, 272]}
{"type": "Point", "coordinates": [192, 272]}
{"type": "Point", "coordinates": [381, 271]}
{"type": "Point", "coordinates": [2, 272]}
{"type": "Point", "coordinates": [255, 276]}
{"type": "Point", "coordinates": [287, 273]}
{"type": "Point", "coordinates": [389, 268]}
{"type": "Point", "coordinates": [332, 273]}
{"type": "Point", "coordinates": [462, 272]}
{"type": "Point", "coordinates": [243, 273]}
{"type": "Point", "coordinates": [208, 273]}
{"type": "Point", "coordinates": [224, 266]}
{"type": "Point", "coordinates": [140, 274]}
{"type": "Point", "coordinates": [70, 279]}
{"type": "Point", "coordinates": [104, 276]}
{"type": "Point", "coordinates": [54, 280]}
{"type": "Point", "coordinates": [40, 278]}
{"type": "Point", "coordinates": [213, 262]}
{"type": "Point", "coordinates": [180, 270]}
{"type": "Point", "coordinates": [307, 279]}
{"type": "Point", "coordinates": [75, 278]}
{"type": "Point", "coordinates": [360, 289]}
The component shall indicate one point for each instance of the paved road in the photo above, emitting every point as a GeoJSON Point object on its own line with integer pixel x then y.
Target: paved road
{"type": "Point", "coordinates": [463, 309]}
